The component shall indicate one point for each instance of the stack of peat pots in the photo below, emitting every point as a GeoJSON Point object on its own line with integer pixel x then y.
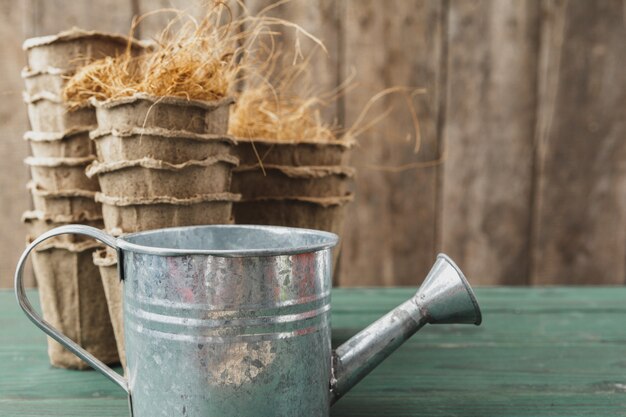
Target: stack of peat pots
{"type": "Point", "coordinates": [296, 184]}
{"type": "Point", "coordinates": [69, 286]}
{"type": "Point", "coordinates": [161, 162]}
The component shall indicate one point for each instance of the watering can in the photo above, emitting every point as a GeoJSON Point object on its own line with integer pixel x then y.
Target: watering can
{"type": "Point", "coordinates": [235, 320]}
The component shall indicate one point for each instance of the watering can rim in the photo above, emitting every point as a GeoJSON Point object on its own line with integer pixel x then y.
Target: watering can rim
{"type": "Point", "coordinates": [327, 241]}
{"type": "Point", "coordinates": [468, 288]}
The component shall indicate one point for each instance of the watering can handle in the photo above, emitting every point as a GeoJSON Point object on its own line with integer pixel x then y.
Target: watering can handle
{"type": "Point", "coordinates": [25, 304]}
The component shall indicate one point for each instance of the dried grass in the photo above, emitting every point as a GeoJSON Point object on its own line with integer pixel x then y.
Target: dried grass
{"type": "Point", "coordinates": [193, 60]}
{"type": "Point", "coordinates": [279, 103]}
{"type": "Point", "coordinates": [278, 110]}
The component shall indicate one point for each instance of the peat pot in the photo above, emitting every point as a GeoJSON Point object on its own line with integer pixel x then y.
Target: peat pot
{"type": "Point", "coordinates": [234, 320]}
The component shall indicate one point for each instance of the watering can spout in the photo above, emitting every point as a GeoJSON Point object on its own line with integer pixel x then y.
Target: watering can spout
{"type": "Point", "coordinates": [444, 297]}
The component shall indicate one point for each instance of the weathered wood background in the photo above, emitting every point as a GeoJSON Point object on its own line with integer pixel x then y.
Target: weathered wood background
{"type": "Point", "coordinates": [521, 175]}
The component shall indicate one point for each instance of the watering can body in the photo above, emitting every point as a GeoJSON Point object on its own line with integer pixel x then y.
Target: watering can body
{"type": "Point", "coordinates": [228, 336]}
{"type": "Point", "coordinates": [235, 320]}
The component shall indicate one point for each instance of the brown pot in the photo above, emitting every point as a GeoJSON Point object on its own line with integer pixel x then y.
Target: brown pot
{"type": "Point", "coordinates": [170, 113]}
{"type": "Point", "coordinates": [147, 178]}
{"type": "Point", "coordinates": [62, 174]}
{"type": "Point", "coordinates": [76, 203]}
{"type": "Point", "coordinates": [73, 301]}
{"type": "Point", "coordinates": [47, 113]}
{"type": "Point", "coordinates": [307, 212]}
{"type": "Point", "coordinates": [170, 146]}
{"type": "Point", "coordinates": [49, 80]}
{"type": "Point", "coordinates": [106, 261]}
{"type": "Point", "coordinates": [127, 215]}
{"type": "Point", "coordinates": [74, 48]}
{"type": "Point", "coordinates": [37, 223]}
{"type": "Point", "coordinates": [72, 144]}
{"type": "Point", "coordinates": [300, 153]}
{"type": "Point", "coordinates": [254, 182]}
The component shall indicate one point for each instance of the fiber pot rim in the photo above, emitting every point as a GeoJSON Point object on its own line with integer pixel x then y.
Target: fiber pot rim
{"type": "Point", "coordinates": [346, 144]}
{"type": "Point", "coordinates": [77, 33]}
{"type": "Point", "coordinates": [52, 162]}
{"type": "Point", "coordinates": [101, 168]}
{"type": "Point", "coordinates": [36, 136]}
{"type": "Point", "coordinates": [201, 198]}
{"type": "Point", "coordinates": [36, 189]}
{"type": "Point", "coordinates": [159, 131]}
{"type": "Point", "coordinates": [169, 100]}
{"type": "Point", "coordinates": [27, 72]}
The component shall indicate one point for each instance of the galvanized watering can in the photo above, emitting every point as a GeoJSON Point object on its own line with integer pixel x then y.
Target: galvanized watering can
{"type": "Point", "coordinates": [235, 320]}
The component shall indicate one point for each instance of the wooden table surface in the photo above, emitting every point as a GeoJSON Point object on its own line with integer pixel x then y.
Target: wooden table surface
{"type": "Point", "coordinates": [539, 352]}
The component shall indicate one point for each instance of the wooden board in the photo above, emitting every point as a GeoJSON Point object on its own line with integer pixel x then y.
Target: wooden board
{"type": "Point", "coordinates": [489, 131]}
{"type": "Point", "coordinates": [321, 18]}
{"type": "Point", "coordinates": [580, 208]}
{"type": "Point", "coordinates": [47, 17]}
{"type": "Point", "coordinates": [390, 231]}
{"type": "Point", "coordinates": [13, 173]}
{"type": "Point", "coordinates": [533, 356]}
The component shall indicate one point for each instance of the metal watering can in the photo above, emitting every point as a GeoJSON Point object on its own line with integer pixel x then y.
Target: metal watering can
{"type": "Point", "coordinates": [235, 320]}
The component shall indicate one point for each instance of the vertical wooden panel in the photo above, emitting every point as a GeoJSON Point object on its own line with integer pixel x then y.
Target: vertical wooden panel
{"type": "Point", "coordinates": [580, 224]}
{"type": "Point", "coordinates": [46, 17]}
{"type": "Point", "coordinates": [13, 173]}
{"type": "Point", "coordinates": [489, 130]}
{"type": "Point", "coordinates": [320, 18]}
{"type": "Point", "coordinates": [390, 231]}
{"type": "Point", "coordinates": [152, 25]}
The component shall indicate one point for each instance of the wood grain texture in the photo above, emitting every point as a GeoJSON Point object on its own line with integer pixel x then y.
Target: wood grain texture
{"type": "Point", "coordinates": [533, 356]}
{"type": "Point", "coordinates": [321, 18]}
{"type": "Point", "coordinates": [489, 132]}
{"type": "Point", "coordinates": [152, 25]}
{"type": "Point", "coordinates": [580, 208]}
{"type": "Point", "coordinates": [47, 17]}
{"type": "Point", "coordinates": [390, 231]}
{"type": "Point", "coordinates": [13, 122]}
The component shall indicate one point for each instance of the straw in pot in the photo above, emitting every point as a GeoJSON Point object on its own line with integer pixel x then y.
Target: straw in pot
{"type": "Point", "coordinates": [61, 174]}
{"type": "Point", "coordinates": [170, 146]}
{"type": "Point", "coordinates": [129, 215]}
{"type": "Point", "coordinates": [147, 178]}
{"type": "Point", "coordinates": [72, 300]}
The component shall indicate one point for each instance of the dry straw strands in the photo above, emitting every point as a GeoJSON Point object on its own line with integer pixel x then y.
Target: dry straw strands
{"type": "Point", "coordinates": [194, 60]}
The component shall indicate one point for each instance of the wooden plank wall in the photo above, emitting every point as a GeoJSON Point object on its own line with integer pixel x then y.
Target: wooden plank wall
{"type": "Point", "coordinates": [521, 173]}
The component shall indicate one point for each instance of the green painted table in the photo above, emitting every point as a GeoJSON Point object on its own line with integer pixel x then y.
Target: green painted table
{"type": "Point", "coordinates": [539, 352]}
